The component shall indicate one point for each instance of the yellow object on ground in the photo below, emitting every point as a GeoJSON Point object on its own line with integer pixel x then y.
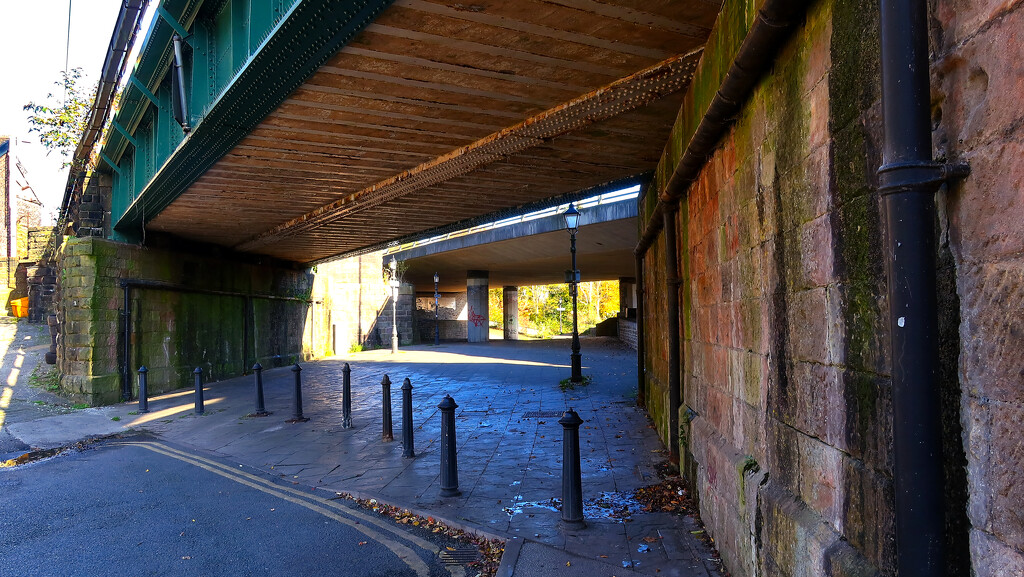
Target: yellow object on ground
{"type": "Point", "coordinates": [19, 307]}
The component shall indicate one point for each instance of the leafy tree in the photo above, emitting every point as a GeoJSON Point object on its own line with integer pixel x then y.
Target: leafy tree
{"type": "Point", "coordinates": [60, 120]}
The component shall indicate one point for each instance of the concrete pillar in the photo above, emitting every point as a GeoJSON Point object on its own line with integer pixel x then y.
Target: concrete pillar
{"type": "Point", "coordinates": [510, 312]}
{"type": "Point", "coordinates": [627, 295]}
{"type": "Point", "coordinates": [477, 322]}
{"type": "Point", "coordinates": [406, 306]}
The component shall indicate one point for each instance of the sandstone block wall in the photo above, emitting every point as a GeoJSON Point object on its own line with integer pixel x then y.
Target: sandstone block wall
{"type": "Point", "coordinates": [357, 302]}
{"type": "Point", "coordinates": [785, 428]}
{"type": "Point", "coordinates": [977, 80]}
{"type": "Point", "coordinates": [173, 332]}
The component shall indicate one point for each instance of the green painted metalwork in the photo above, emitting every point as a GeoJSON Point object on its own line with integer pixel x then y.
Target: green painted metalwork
{"type": "Point", "coordinates": [173, 23]}
{"type": "Point", "coordinates": [124, 133]}
{"type": "Point", "coordinates": [235, 82]}
{"type": "Point", "coordinates": [145, 91]}
{"type": "Point", "coordinates": [110, 163]}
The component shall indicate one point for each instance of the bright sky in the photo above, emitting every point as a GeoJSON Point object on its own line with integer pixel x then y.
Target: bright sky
{"type": "Point", "coordinates": [33, 39]}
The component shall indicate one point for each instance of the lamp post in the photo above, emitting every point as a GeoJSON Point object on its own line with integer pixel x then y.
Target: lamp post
{"type": "Point", "coordinates": [572, 224]}
{"type": "Point", "coordinates": [393, 265]}
{"type": "Point", "coordinates": [437, 327]}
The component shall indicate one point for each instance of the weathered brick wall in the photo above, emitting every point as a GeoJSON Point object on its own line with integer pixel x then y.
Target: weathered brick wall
{"type": "Point", "coordinates": [977, 80]}
{"type": "Point", "coordinates": [451, 314]}
{"type": "Point", "coordinates": [173, 332]}
{"type": "Point", "coordinates": [627, 332]}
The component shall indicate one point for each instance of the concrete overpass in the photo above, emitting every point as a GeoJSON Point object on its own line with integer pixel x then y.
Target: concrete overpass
{"type": "Point", "coordinates": [530, 252]}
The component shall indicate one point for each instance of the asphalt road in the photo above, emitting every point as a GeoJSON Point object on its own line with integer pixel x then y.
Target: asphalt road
{"type": "Point", "coordinates": [141, 507]}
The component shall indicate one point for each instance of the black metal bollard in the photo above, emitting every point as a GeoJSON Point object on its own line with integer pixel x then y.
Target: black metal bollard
{"type": "Point", "coordinates": [143, 390]}
{"type": "Point", "coordinates": [449, 457]}
{"type": "Point", "coordinates": [297, 409]}
{"type": "Point", "coordinates": [200, 409]}
{"type": "Point", "coordinates": [346, 397]}
{"type": "Point", "coordinates": [385, 385]}
{"type": "Point", "coordinates": [261, 409]}
{"type": "Point", "coordinates": [407, 449]}
{"type": "Point", "coordinates": [572, 483]}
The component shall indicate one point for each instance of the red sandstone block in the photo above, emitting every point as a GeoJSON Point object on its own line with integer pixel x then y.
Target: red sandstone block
{"type": "Point", "coordinates": [816, 254]}
{"type": "Point", "coordinates": [985, 209]}
{"type": "Point", "coordinates": [961, 19]}
{"type": "Point", "coordinates": [995, 451]}
{"type": "Point", "coordinates": [809, 325]}
{"type": "Point", "coordinates": [993, 558]}
{"type": "Point", "coordinates": [821, 480]}
{"type": "Point", "coordinates": [819, 54]}
{"type": "Point", "coordinates": [992, 330]}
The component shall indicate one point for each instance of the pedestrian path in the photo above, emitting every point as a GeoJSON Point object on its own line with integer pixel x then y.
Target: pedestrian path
{"type": "Point", "coordinates": [509, 447]}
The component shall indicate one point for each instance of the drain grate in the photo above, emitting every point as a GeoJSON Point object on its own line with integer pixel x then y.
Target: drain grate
{"type": "Point", "coordinates": [460, 556]}
{"type": "Point", "coordinates": [542, 414]}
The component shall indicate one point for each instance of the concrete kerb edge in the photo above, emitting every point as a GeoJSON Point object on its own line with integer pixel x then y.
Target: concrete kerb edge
{"type": "Point", "coordinates": [470, 528]}
{"type": "Point", "coordinates": [509, 557]}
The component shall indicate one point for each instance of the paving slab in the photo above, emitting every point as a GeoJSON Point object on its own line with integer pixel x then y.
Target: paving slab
{"type": "Point", "coordinates": [509, 446]}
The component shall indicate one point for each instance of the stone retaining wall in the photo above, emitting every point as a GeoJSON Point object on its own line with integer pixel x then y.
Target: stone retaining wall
{"type": "Point", "coordinates": [173, 331]}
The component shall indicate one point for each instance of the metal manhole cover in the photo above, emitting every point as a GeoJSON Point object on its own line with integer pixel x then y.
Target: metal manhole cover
{"type": "Point", "coordinates": [460, 556]}
{"type": "Point", "coordinates": [542, 414]}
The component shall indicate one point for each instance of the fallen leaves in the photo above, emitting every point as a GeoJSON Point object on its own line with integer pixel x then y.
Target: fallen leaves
{"type": "Point", "coordinates": [669, 496]}
{"type": "Point", "coordinates": [490, 549]}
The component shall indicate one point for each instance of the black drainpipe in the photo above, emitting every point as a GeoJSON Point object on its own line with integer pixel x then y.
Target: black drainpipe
{"type": "Point", "coordinates": [641, 364]}
{"type": "Point", "coordinates": [908, 180]}
{"type": "Point", "coordinates": [126, 376]}
{"type": "Point", "coordinates": [672, 298]}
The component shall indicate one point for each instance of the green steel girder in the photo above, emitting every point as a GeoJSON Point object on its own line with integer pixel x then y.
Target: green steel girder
{"type": "Point", "coordinates": [306, 37]}
{"type": "Point", "coordinates": [113, 165]}
{"type": "Point", "coordinates": [145, 91]}
{"type": "Point", "coordinates": [153, 63]}
{"type": "Point", "coordinates": [172, 22]}
{"type": "Point", "coordinates": [124, 132]}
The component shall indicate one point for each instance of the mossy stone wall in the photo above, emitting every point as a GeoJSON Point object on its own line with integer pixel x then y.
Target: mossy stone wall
{"type": "Point", "coordinates": [173, 332]}
{"type": "Point", "coordinates": [786, 417]}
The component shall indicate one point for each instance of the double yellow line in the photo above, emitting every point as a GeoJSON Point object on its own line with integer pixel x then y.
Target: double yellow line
{"type": "Point", "coordinates": [374, 528]}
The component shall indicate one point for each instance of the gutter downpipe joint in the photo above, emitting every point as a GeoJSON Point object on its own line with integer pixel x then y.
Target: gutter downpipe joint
{"type": "Point", "coordinates": [908, 180]}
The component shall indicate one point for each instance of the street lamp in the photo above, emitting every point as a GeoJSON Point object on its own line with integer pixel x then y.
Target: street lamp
{"type": "Point", "coordinates": [393, 265]}
{"type": "Point", "coordinates": [572, 224]}
{"type": "Point", "coordinates": [437, 328]}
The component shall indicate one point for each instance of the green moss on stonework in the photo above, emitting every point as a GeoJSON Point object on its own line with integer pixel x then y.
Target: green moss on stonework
{"type": "Point", "coordinates": [686, 305]}
{"type": "Point", "coordinates": [746, 466]}
{"type": "Point", "coordinates": [855, 78]}
{"type": "Point", "coordinates": [734, 20]}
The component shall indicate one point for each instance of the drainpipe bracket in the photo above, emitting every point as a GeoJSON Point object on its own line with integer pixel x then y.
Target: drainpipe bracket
{"type": "Point", "coordinates": [918, 176]}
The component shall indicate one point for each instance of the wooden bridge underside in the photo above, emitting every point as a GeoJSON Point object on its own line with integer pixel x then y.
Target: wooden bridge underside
{"type": "Point", "coordinates": [439, 112]}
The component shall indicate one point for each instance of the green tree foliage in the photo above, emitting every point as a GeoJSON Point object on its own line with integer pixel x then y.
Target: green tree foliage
{"type": "Point", "coordinates": [60, 120]}
{"type": "Point", "coordinates": [538, 306]}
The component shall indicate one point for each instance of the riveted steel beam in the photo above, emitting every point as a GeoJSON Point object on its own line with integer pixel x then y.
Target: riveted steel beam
{"type": "Point", "coordinates": [304, 41]}
{"type": "Point", "coordinates": [145, 91]}
{"type": "Point", "coordinates": [117, 126]}
{"type": "Point", "coordinates": [172, 22]}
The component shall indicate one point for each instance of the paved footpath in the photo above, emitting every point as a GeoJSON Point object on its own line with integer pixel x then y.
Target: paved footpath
{"type": "Point", "coordinates": [509, 446]}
